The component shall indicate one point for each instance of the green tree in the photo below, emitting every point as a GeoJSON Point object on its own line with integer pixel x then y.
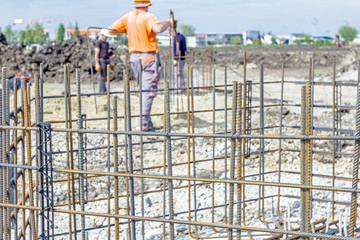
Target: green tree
{"type": "Point", "coordinates": [25, 35]}
{"type": "Point", "coordinates": [76, 29]}
{"type": "Point", "coordinates": [9, 33]}
{"type": "Point", "coordinates": [348, 33]}
{"type": "Point", "coordinates": [307, 39]}
{"type": "Point", "coordinates": [38, 34]}
{"type": "Point", "coordinates": [34, 35]}
{"type": "Point", "coordinates": [318, 43]}
{"type": "Point", "coordinates": [60, 33]}
{"type": "Point", "coordinates": [187, 30]}
{"type": "Point", "coordinates": [235, 40]}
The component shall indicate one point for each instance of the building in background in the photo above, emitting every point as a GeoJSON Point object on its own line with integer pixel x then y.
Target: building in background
{"type": "Point", "coordinates": [219, 39]}
{"type": "Point", "coordinates": [251, 37]}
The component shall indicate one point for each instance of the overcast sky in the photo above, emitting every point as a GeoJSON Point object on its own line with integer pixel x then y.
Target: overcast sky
{"type": "Point", "coordinates": [317, 17]}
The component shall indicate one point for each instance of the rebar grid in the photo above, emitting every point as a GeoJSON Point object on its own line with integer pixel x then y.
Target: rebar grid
{"type": "Point", "coordinates": [136, 179]}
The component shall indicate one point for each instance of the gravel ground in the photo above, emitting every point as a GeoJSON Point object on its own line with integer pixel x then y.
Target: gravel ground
{"type": "Point", "coordinates": [97, 188]}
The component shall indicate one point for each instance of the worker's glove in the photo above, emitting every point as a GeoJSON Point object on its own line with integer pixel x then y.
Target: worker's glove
{"type": "Point", "coordinates": [175, 63]}
{"type": "Point", "coordinates": [97, 67]}
{"type": "Point", "coordinates": [112, 67]}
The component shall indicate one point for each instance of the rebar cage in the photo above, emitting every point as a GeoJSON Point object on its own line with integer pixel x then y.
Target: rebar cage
{"type": "Point", "coordinates": [218, 172]}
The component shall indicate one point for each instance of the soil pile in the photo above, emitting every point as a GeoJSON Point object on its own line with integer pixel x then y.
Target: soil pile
{"type": "Point", "coordinates": [27, 61]}
{"type": "Point", "coordinates": [21, 59]}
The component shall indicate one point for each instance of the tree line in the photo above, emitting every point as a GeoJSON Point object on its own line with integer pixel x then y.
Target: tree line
{"type": "Point", "coordinates": [36, 34]}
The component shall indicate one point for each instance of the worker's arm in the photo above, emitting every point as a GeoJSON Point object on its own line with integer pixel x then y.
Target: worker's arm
{"type": "Point", "coordinates": [160, 27]}
{"type": "Point", "coordinates": [114, 31]}
{"type": "Point", "coordinates": [119, 26]}
{"type": "Point", "coordinates": [97, 52]}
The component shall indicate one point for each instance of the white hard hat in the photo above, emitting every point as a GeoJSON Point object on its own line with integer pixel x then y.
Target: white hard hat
{"type": "Point", "coordinates": [105, 32]}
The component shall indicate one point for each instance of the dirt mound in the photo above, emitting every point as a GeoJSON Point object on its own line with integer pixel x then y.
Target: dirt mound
{"type": "Point", "coordinates": [19, 58]}
{"type": "Point", "coordinates": [274, 57]}
{"type": "Point", "coordinates": [75, 52]}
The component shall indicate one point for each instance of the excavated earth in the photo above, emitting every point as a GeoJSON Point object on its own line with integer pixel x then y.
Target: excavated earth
{"type": "Point", "coordinates": [18, 58]}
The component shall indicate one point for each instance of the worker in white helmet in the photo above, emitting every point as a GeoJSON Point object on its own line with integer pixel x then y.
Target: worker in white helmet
{"type": "Point", "coordinates": [102, 58]}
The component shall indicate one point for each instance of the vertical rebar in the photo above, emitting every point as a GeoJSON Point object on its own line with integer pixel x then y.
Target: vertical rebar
{"type": "Point", "coordinates": [169, 160]}
{"type": "Point", "coordinates": [226, 142]}
{"type": "Point", "coordinates": [171, 55]}
{"type": "Point", "coordinates": [262, 145]}
{"type": "Point", "coordinates": [15, 143]}
{"type": "Point", "coordinates": [116, 167]}
{"type": "Point", "coordinates": [280, 133]}
{"type": "Point", "coordinates": [164, 163]}
{"type": "Point", "coordinates": [213, 146]}
{"type": "Point", "coordinates": [4, 147]}
{"type": "Point", "coordinates": [232, 158]}
{"type": "Point", "coordinates": [23, 158]}
{"type": "Point", "coordinates": [239, 167]}
{"type": "Point", "coordinates": [108, 147]}
{"type": "Point", "coordinates": [2, 155]}
{"type": "Point", "coordinates": [67, 149]}
{"type": "Point", "coordinates": [29, 156]}
{"type": "Point", "coordinates": [334, 142]}
{"type": "Point", "coordinates": [355, 177]}
{"type": "Point", "coordinates": [125, 76]}
{"type": "Point", "coordinates": [7, 148]}
{"type": "Point", "coordinates": [312, 94]}
{"type": "Point", "coordinates": [302, 158]}
{"type": "Point", "coordinates": [188, 147]}
{"type": "Point", "coordinates": [81, 154]}
{"type": "Point", "coordinates": [130, 156]}
{"type": "Point", "coordinates": [41, 111]}
{"type": "Point", "coordinates": [193, 146]}
{"type": "Point", "coordinates": [244, 132]}
{"type": "Point", "coordinates": [141, 148]}
{"type": "Point", "coordinates": [309, 145]}
{"type": "Point", "coordinates": [38, 135]}
{"type": "Point", "coordinates": [69, 141]}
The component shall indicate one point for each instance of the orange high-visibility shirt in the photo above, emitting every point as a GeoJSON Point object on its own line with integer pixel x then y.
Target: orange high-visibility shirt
{"type": "Point", "coordinates": [138, 26]}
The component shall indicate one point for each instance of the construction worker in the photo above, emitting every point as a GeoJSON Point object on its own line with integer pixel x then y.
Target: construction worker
{"type": "Point", "coordinates": [102, 58]}
{"type": "Point", "coordinates": [141, 28]}
{"type": "Point", "coordinates": [179, 59]}
{"type": "Point", "coordinates": [3, 39]}
{"type": "Point", "coordinates": [17, 79]}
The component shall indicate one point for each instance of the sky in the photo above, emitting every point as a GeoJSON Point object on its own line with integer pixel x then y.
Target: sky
{"type": "Point", "coordinates": [315, 17]}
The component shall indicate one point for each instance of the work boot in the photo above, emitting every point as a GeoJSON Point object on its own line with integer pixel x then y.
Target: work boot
{"type": "Point", "coordinates": [149, 127]}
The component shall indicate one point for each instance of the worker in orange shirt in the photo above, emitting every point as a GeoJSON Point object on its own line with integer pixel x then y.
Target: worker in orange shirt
{"type": "Point", "coordinates": [141, 28]}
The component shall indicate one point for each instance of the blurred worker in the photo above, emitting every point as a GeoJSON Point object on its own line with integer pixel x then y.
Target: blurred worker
{"type": "Point", "coordinates": [141, 28]}
{"type": "Point", "coordinates": [17, 78]}
{"type": "Point", "coordinates": [102, 58]}
{"type": "Point", "coordinates": [3, 39]}
{"type": "Point", "coordinates": [179, 59]}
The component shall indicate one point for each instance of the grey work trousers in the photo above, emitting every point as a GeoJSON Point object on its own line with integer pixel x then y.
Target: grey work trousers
{"type": "Point", "coordinates": [180, 74]}
{"type": "Point", "coordinates": [149, 81]}
{"type": "Point", "coordinates": [103, 74]}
